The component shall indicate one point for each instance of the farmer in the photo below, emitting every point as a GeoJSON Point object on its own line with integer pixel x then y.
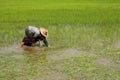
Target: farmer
{"type": "Point", "coordinates": [33, 34]}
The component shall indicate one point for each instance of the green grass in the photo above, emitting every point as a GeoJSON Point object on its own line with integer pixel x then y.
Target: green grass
{"type": "Point", "coordinates": [92, 26]}
{"type": "Point", "coordinates": [17, 15]}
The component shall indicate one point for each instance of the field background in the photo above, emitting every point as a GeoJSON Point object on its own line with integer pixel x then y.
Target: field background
{"type": "Point", "coordinates": [88, 32]}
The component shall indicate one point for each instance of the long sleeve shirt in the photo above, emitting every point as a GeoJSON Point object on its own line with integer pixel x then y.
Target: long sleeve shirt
{"type": "Point", "coordinates": [32, 32]}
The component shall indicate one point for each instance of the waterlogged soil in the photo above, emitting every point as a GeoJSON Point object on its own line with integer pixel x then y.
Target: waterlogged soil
{"type": "Point", "coordinates": [64, 54]}
{"type": "Point", "coordinates": [10, 49]}
{"type": "Point", "coordinates": [105, 62]}
{"type": "Point", "coordinates": [57, 54]}
{"type": "Point", "coordinates": [51, 75]}
{"type": "Point", "coordinates": [28, 55]}
{"type": "Point", "coordinates": [117, 44]}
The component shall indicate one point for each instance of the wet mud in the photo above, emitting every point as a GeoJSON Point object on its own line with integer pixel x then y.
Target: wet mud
{"type": "Point", "coordinates": [64, 54]}
{"type": "Point", "coordinates": [51, 75]}
{"type": "Point", "coordinates": [117, 44]}
{"type": "Point", "coordinates": [30, 55]}
{"type": "Point", "coordinates": [10, 49]}
{"type": "Point", "coordinates": [105, 62]}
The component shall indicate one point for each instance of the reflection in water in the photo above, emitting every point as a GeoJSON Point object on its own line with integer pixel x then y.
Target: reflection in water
{"type": "Point", "coordinates": [34, 55]}
{"type": "Point", "coordinates": [33, 50]}
{"type": "Point", "coordinates": [10, 50]}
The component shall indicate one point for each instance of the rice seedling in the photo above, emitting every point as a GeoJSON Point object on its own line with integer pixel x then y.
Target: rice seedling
{"type": "Point", "coordinates": [90, 28]}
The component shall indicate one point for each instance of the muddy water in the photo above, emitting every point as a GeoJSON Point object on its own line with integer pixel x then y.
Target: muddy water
{"type": "Point", "coordinates": [105, 62]}
{"type": "Point", "coordinates": [117, 44]}
{"type": "Point", "coordinates": [20, 57]}
{"type": "Point", "coordinates": [64, 54]}
{"type": "Point", "coordinates": [36, 54]}
{"type": "Point", "coordinates": [10, 49]}
{"type": "Point", "coordinates": [16, 52]}
{"type": "Point", "coordinates": [17, 49]}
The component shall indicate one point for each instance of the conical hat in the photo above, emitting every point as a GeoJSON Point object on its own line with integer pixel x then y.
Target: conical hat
{"type": "Point", "coordinates": [44, 32]}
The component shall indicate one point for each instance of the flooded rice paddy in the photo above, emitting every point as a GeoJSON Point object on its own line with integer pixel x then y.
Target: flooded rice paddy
{"type": "Point", "coordinates": [52, 64]}
{"type": "Point", "coordinates": [18, 52]}
{"type": "Point", "coordinates": [85, 35]}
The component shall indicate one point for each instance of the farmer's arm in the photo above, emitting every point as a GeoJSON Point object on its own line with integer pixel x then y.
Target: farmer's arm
{"type": "Point", "coordinates": [21, 44]}
{"type": "Point", "coordinates": [46, 42]}
{"type": "Point", "coordinates": [40, 42]}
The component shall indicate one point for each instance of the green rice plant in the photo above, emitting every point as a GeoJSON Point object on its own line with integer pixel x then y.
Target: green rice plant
{"type": "Point", "coordinates": [89, 28]}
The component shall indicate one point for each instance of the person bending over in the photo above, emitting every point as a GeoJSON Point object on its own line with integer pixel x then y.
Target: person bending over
{"type": "Point", "coordinates": [33, 34]}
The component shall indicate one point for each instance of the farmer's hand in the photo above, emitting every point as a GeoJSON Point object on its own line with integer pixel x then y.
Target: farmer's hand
{"type": "Point", "coordinates": [49, 46]}
{"type": "Point", "coordinates": [21, 44]}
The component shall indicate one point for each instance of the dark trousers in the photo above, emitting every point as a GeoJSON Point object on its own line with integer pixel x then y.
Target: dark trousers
{"type": "Point", "coordinates": [28, 41]}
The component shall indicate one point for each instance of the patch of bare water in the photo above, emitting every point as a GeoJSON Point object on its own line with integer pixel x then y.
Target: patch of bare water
{"type": "Point", "coordinates": [105, 62]}
{"type": "Point", "coordinates": [117, 44]}
{"type": "Point", "coordinates": [18, 56]}
{"type": "Point", "coordinates": [11, 49]}
{"type": "Point", "coordinates": [64, 54]}
{"type": "Point", "coordinates": [33, 49]}
{"type": "Point", "coordinates": [16, 52]}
